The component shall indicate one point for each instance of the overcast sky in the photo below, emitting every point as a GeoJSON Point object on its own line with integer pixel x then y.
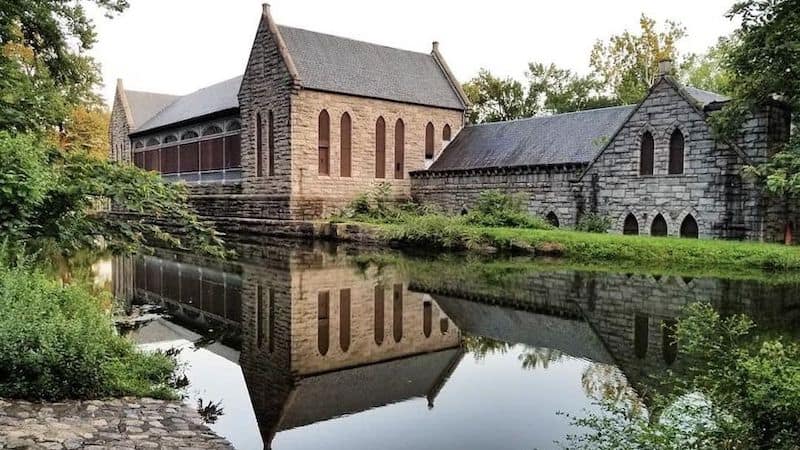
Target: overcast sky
{"type": "Point", "coordinates": [178, 46]}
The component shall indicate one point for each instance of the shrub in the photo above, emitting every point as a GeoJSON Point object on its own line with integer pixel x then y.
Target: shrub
{"type": "Point", "coordinates": [496, 209]}
{"type": "Point", "coordinates": [56, 342]}
{"type": "Point", "coordinates": [593, 223]}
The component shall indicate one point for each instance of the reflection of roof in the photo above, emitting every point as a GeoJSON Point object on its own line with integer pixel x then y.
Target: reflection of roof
{"type": "Point", "coordinates": [145, 105]}
{"type": "Point", "coordinates": [161, 331]}
{"type": "Point", "coordinates": [573, 337]}
{"type": "Point", "coordinates": [560, 139]}
{"type": "Point", "coordinates": [334, 394]}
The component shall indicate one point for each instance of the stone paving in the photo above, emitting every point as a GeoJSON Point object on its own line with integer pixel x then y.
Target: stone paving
{"type": "Point", "coordinates": [127, 423]}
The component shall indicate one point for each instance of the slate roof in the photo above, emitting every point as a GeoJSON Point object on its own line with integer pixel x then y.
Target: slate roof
{"type": "Point", "coordinates": [145, 105]}
{"type": "Point", "coordinates": [342, 65]}
{"type": "Point", "coordinates": [704, 98]}
{"type": "Point", "coordinates": [212, 99]}
{"type": "Point", "coordinates": [559, 139]}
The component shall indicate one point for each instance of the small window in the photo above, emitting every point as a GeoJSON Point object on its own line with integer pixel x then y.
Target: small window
{"type": "Point", "coordinates": [646, 154]}
{"type": "Point", "coordinates": [427, 318]}
{"type": "Point", "coordinates": [344, 319]}
{"type": "Point", "coordinates": [324, 143]}
{"type": "Point", "coordinates": [170, 138]}
{"type": "Point", "coordinates": [689, 228]}
{"type": "Point", "coordinates": [188, 135]}
{"type": "Point", "coordinates": [429, 151]}
{"type": "Point", "coordinates": [323, 322]}
{"type": "Point", "coordinates": [399, 149]}
{"type": "Point", "coordinates": [397, 313]}
{"type": "Point", "coordinates": [271, 143]}
{"type": "Point", "coordinates": [379, 315]}
{"type": "Point", "coordinates": [345, 143]}
{"type": "Point", "coordinates": [213, 129]}
{"type": "Point", "coordinates": [152, 142]}
{"type": "Point", "coordinates": [380, 148]}
{"type": "Point", "coordinates": [446, 133]}
{"type": "Point", "coordinates": [631, 225]}
{"type": "Point", "coordinates": [444, 325]}
{"type": "Point", "coordinates": [552, 219]}
{"type": "Point", "coordinates": [234, 125]}
{"type": "Point", "coordinates": [676, 144]}
{"type": "Point", "coordinates": [259, 146]}
{"type": "Point", "coordinates": [641, 329]}
{"type": "Point", "coordinates": [659, 227]}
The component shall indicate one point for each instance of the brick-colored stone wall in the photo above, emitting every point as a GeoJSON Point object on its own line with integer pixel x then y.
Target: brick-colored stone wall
{"type": "Point", "coordinates": [333, 191]}
{"type": "Point", "coordinates": [118, 130]}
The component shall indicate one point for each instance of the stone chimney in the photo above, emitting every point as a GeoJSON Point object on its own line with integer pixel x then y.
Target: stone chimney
{"type": "Point", "coordinates": [435, 47]}
{"type": "Point", "coordinates": [665, 67]}
{"type": "Point", "coordinates": [265, 8]}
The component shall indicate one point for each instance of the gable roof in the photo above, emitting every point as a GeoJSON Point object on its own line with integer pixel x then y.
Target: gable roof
{"type": "Point", "coordinates": [347, 66]}
{"type": "Point", "coordinates": [704, 98]}
{"type": "Point", "coordinates": [559, 139]}
{"type": "Point", "coordinates": [209, 100]}
{"type": "Point", "coordinates": [145, 105]}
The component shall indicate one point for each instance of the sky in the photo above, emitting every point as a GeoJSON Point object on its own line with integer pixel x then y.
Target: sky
{"type": "Point", "coordinates": [179, 46]}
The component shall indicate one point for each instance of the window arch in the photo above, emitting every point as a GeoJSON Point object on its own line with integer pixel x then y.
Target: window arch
{"type": "Point", "coordinates": [323, 322]}
{"type": "Point", "coordinates": [234, 125]}
{"type": "Point", "coordinates": [446, 133]}
{"type": "Point", "coordinates": [631, 225]}
{"type": "Point", "coordinates": [213, 129]}
{"type": "Point", "coordinates": [646, 154]}
{"type": "Point", "coordinates": [138, 144]}
{"type": "Point", "coordinates": [444, 325]}
{"type": "Point", "coordinates": [659, 226]}
{"type": "Point", "coordinates": [399, 149]}
{"type": "Point", "coordinates": [152, 142]}
{"type": "Point", "coordinates": [345, 146]}
{"type": "Point", "coordinates": [689, 227]}
{"type": "Point", "coordinates": [429, 151]}
{"type": "Point", "coordinates": [676, 147]}
{"type": "Point", "coordinates": [552, 219]}
{"type": "Point", "coordinates": [380, 148]}
{"type": "Point", "coordinates": [170, 138]}
{"type": "Point", "coordinates": [188, 135]}
{"type": "Point", "coordinates": [324, 142]}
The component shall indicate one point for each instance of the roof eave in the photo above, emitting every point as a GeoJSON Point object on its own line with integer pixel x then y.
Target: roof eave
{"type": "Point", "coordinates": [185, 122]}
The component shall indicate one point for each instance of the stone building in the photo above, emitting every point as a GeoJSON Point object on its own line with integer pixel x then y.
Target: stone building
{"type": "Point", "coordinates": [652, 168]}
{"type": "Point", "coordinates": [314, 120]}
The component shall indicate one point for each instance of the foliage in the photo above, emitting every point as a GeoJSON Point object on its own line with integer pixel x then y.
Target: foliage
{"type": "Point", "coordinates": [707, 71]}
{"type": "Point", "coordinates": [496, 209]}
{"type": "Point", "coordinates": [56, 342]}
{"type": "Point", "coordinates": [594, 223]}
{"type": "Point", "coordinates": [628, 63]}
{"type": "Point", "coordinates": [45, 68]}
{"type": "Point", "coordinates": [86, 131]}
{"type": "Point", "coordinates": [48, 196]}
{"type": "Point", "coordinates": [496, 99]}
{"type": "Point", "coordinates": [561, 90]}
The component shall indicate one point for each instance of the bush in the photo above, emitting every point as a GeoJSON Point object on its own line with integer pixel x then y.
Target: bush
{"type": "Point", "coordinates": [496, 209]}
{"type": "Point", "coordinates": [56, 342]}
{"type": "Point", "coordinates": [593, 223]}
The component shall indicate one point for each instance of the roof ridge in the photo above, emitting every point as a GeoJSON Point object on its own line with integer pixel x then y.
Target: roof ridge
{"type": "Point", "coordinates": [357, 40]}
{"type": "Point", "coordinates": [152, 93]}
{"type": "Point", "coordinates": [523, 119]}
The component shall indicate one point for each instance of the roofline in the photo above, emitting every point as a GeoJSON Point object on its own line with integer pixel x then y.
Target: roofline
{"type": "Point", "coordinates": [126, 107]}
{"type": "Point", "coordinates": [327, 91]}
{"type": "Point", "coordinates": [523, 119]}
{"type": "Point", "coordinates": [522, 168]}
{"type": "Point", "coordinates": [448, 74]}
{"type": "Point", "coordinates": [182, 123]}
{"type": "Point", "coordinates": [272, 27]}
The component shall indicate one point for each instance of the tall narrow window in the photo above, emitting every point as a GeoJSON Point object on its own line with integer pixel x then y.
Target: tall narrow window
{"type": "Point", "coordinates": [446, 133]}
{"type": "Point", "coordinates": [344, 319]}
{"type": "Point", "coordinates": [552, 219]}
{"type": "Point", "coordinates": [631, 225]}
{"type": "Point", "coordinates": [689, 227]}
{"type": "Point", "coordinates": [641, 327]}
{"type": "Point", "coordinates": [659, 226]}
{"type": "Point", "coordinates": [444, 325]}
{"type": "Point", "coordinates": [427, 318]}
{"type": "Point", "coordinates": [323, 322]}
{"type": "Point", "coordinates": [399, 149]}
{"type": "Point", "coordinates": [271, 144]}
{"type": "Point", "coordinates": [379, 314]}
{"type": "Point", "coordinates": [259, 316]}
{"type": "Point", "coordinates": [429, 152]}
{"type": "Point", "coordinates": [345, 150]}
{"type": "Point", "coordinates": [646, 154]}
{"type": "Point", "coordinates": [380, 148]}
{"type": "Point", "coordinates": [324, 143]}
{"type": "Point", "coordinates": [259, 146]}
{"type": "Point", "coordinates": [676, 143]}
{"type": "Point", "coordinates": [397, 312]}
{"type": "Point", "coordinates": [271, 320]}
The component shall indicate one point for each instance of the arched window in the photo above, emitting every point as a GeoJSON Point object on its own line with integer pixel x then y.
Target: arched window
{"type": "Point", "coordinates": [259, 146]}
{"type": "Point", "coordinates": [552, 219]}
{"type": "Point", "coordinates": [446, 133]}
{"type": "Point", "coordinates": [631, 225]}
{"type": "Point", "coordinates": [397, 312]}
{"type": "Point", "coordinates": [659, 226]}
{"type": "Point", "coordinates": [427, 318]}
{"type": "Point", "coordinates": [444, 325]}
{"type": "Point", "coordinates": [345, 142]}
{"type": "Point", "coordinates": [689, 227]}
{"type": "Point", "coordinates": [323, 322]}
{"type": "Point", "coordinates": [170, 138]}
{"type": "Point", "coordinates": [380, 148]}
{"type": "Point", "coordinates": [344, 319]}
{"type": "Point", "coordinates": [324, 143]}
{"type": "Point", "coordinates": [271, 143]}
{"type": "Point", "coordinates": [429, 152]}
{"type": "Point", "coordinates": [188, 135]}
{"type": "Point", "coordinates": [669, 342]}
{"type": "Point", "coordinates": [152, 142]}
{"type": "Point", "coordinates": [399, 149]}
{"type": "Point", "coordinates": [646, 154]}
{"type": "Point", "coordinates": [379, 314]}
{"type": "Point", "coordinates": [213, 129]}
{"type": "Point", "coordinates": [259, 316]}
{"type": "Point", "coordinates": [138, 144]}
{"type": "Point", "coordinates": [676, 143]}
{"type": "Point", "coordinates": [234, 126]}
{"type": "Point", "coordinates": [641, 325]}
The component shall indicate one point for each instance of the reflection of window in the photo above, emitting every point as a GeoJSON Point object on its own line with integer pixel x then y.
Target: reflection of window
{"type": "Point", "coordinates": [631, 225]}
{"type": "Point", "coordinates": [397, 312]}
{"type": "Point", "coordinates": [446, 133]}
{"type": "Point", "coordinates": [379, 314]}
{"type": "Point", "coordinates": [444, 325]}
{"type": "Point", "coordinates": [427, 318]}
{"type": "Point", "coordinates": [259, 316]}
{"type": "Point", "coordinates": [640, 335]}
{"type": "Point", "coordinates": [344, 319]}
{"type": "Point", "coordinates": [323, 322]}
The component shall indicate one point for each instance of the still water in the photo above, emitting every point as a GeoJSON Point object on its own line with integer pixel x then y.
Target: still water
{"type": "Point", "coordinates": [326, 347]}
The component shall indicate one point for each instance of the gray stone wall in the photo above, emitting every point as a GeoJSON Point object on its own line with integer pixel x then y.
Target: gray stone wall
{"type": "Point", "coordinates": [118, 129]}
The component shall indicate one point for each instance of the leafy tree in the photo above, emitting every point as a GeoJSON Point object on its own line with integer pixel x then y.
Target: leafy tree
{"type": "Point", "coordinates": [628, 63]}
{"type": "Point", "coordinates": [86, 130]}
{"type": "Point", "coordinates": [496, 99]}
{"type": "Point", "coordinates": [707, 71]}
{"type": "Point", "coordinates": [561, 90]}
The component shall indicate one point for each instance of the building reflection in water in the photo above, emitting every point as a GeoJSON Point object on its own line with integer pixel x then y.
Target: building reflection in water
{"type": "Point", "coordinates": [319, 337]}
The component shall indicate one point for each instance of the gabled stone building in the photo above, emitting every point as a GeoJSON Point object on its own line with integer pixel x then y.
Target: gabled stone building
{"type": "Point", "coordinates": [314, 121]}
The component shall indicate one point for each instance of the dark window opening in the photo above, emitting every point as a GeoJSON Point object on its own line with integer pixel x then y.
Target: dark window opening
{"type": "Point", "coordinates": [345, 143]}
{"type": "Point", "coordinates": [631, 225]}
{"type": "Point", "coordinates": [640, 335]}
{"type": "Point", "coordinates": [323, 322]}
{"type": "Point", "coordinates": [552, 219]}
{"type": "Point", "coordinates": [427, 318]}
{"type": "Point", "coordinates": [689, 228]}
{"type": "Point", "coordinates": [380, 148]}
{"type": "Point", "coordinates": [213, 129]}
{"type": "Point", "coordinates": [379, 315]}
{"type": "Point", "coordinates": [271, 144]}
{"type": "Point", "coordinates": [344, 319]}
{"type": "Point", "coordinates": [446, 133]}
{"type": "Point", "coordinates": [397, 312]}
{"type": "Point", "coordinates": [399, 149]}
{"type": "Point", "coordinates": [659, 226]}
{"type": "Point", "coordinates": [259, 146]}
{"type": "Point", "coordinates": [676, 144]}
{"type": "Point", "coordinates": [429, 150]}
{"type": "Point", "coordinates": [646, 154]}
{"type": "Point", "coordinates": [324, 143]}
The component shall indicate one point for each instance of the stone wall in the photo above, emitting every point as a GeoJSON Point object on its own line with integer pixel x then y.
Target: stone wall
{"type": "Point", "coordinates": [546, 189]}
{"type": "Point", "coordinates": [333, 191]}
{"type": "Point", "coordinates": [119, 128]}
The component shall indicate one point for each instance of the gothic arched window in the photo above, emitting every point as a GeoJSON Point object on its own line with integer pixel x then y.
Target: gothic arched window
{"type": "Point", "coordinates": [345, 146]}
{"type": "Point", "coordinates": [380, 148]}
{"type": "Point", "coordinates": [659, 226]}
{"type": "Point", "coordinates": [631, 225]}
{"type": "Point", "coordinates": [689, 227]}
{"type": "Point", "coordinates": [676, 144]}
{"type": "Point", "coordinates": [552, 219]}
{"type": "Point", "coordinates": [429, 151]}
{"type": "Point", "coordinates": [646, 154]}
{"type": "Point", "coordinates": [324, 143]}
{"type": "Point", "coordinates": [399, 149]}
